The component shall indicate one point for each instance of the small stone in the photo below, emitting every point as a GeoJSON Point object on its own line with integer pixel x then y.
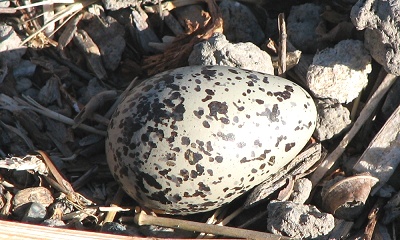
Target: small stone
{"type": "Point", "coordinates": [112, 46]}
{"type": "Point", "coordinates": [4, 4]}
{"type": "Point", "coordinates": [218, 51]}
{"type": "Point", "coordinates": [117, 228]}
{"type": "Point", "coordinates": [301, 25]}
{"type": "Point", "coordinates": [190, 17]}
{"type": "Point", "coordinates": [240, 24]}
{"type": "Point", "coordinates": [333, 119]}
{"type": "Point", "coordinates": [117, 4]}
{"type": "Point", "coordinates": [11, 49]}
{"type": "Point", "coordinates": [298, 221]}
{"type": "Point", "coordinates": [23, 84]}
{"type": "Point", "coordinates": [26, 196]}
{"type": "Point", "coordinates": [301, 190]}
{"type": "Point", "coordinates": [24, 69]}
{"type": "Point", "coordinates": [380, 18]}
{"type": "Point", "coordinates": [35, 213]}
{"type": "Point", "coordinates": [340, 72]}
{"type": "Point", "coordinates": [164, 232]}
{"type": "Point", "coordinates": [51, 222]}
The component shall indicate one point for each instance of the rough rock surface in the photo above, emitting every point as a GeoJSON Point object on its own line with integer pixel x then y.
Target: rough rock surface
{"type": "Point", "coordinates": [333, 118]}
{"type": "Point", "coordinates": [117, 4]}
{"type": "Point", "coordinates": [301, 25]}
{"type": "Point", "coordinates": [112, 46]}
{"type": "Point", "coordinates": [218, 51]}
{"type": "Point", "coordinates": [240, 24]}
{"type": "Point", "coordinates": [380, 18]}
{"type": "Point", "coordinates": [340, 72]}
{"type": "Point", "coordinates": [301, 190]}
{"type": "Point", "coordinates": [298, 221]}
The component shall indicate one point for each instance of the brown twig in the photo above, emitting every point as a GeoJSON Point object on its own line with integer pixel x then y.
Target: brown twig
{"type": "Point", "coordinates": [143, 219]}
{"type": "Point", "coordinates": [282, 45]}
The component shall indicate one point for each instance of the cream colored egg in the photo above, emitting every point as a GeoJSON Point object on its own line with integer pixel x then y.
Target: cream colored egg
{"type": "Point", "coordinates": [195, 138]}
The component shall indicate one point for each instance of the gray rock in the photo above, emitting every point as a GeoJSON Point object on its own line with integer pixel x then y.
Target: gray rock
{"type": "Point", "coordinates": [240, 24]}
{"type": "Point", "coordinates": [4, 4]}
{"type": "Point", "coordinates": [117, 228]}
{"type": "Point", "coordinates": [23, 84]}
{"type": "Point", "coordinates": [298, 221]}
{"type": "Point", "coordinates": [53, 222]}
{"type": "Point", "coordinates": [11, 50]}
{"type": "Point", "coordinates": [117, 4]}
{"type": "Point", "coordinates": [35, 213]}
{"type": "Point", "coordinates": [112, 46]}
{"type": "Point", "coordinates": [333, 119]}
{"type": "Point", "coordinates": [24, 69]}
{"type": "Point", "coordinates": [218, 51]}
{"type": "Point", "coordinates": [301, 190]}
{"type": "Point", "coordinates": [301, 25]}
{"type": "Point", "coordinates": [380, 19]}
{"type": "Point", "coordinates": [340, 72]}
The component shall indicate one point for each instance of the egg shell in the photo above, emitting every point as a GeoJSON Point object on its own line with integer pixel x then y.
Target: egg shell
{"type": "Point", "coordinates": [193, 139]}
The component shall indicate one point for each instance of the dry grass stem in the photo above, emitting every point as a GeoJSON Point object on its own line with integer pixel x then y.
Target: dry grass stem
{"type": "Point", "coordinates": [143, 219]}
{"type": "Point", "coordinates": [56, 116]}
{"type": "Point", "coordinates": [282, 45]}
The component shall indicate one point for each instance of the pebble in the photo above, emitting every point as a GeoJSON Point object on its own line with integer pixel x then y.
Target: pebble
{"type": "Point", "coordinates": [333, 119]}
{"type": "Point", "coordinates": [301, 24]}
{"type": "Point", "coordinates": [301, 190]}
{"type": "Point", "coordinates": [52, 222]}
{"type": "Point", "coordinates": [26, 196]}
{"type": "Point", "coordinates": [340, 72]}
{"type": "Point", "coordinates": [23, 84]}
{"type": "Point", "coordinates": [118, 228]}
{"type": "Point", "coordinates": [35, 213]}
{"type": "Point", "coordinates": [219, 51]}
{"type": "Point", "coordinates": [112, 46]}
{"type": "Point", "coordinates": [382, 39]}
{"type": "Point", "coordinates": [24, 69]}
{"type": "Point", "coordinates": [190, 16]}
{"type": "Point", "coordinates": [240, 24]}
{"type": "Point", "coordinates": [116, 4]}
{"type": "Point", "coordinates": [298, 221]}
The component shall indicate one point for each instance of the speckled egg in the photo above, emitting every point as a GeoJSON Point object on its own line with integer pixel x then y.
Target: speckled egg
{"type": "Point", "coordinates": [193, 139]}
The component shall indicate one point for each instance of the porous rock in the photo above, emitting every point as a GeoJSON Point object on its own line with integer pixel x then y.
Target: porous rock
{"type": "Point", "coordinates": [301, 25]}
{"type": "Point", "coordinates": [218, 51]}
{"type": "Point", "coordinates": [240, 24]}
{"type": "Point", "coordinates": [333, 119]}
{"type": "Point", "coordinates": [298, 221]}
{"type": "Point", "coordinates": [301, 190]}
{"type": "Point", "coordinates": [380, 19]}
{"type": "Point", "coordinates": [117, 4]}
{"type": "Point", "coordinates": [340, 72]}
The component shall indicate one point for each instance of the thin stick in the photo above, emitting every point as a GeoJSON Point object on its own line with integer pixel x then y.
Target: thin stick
{"type": "Point", "coordinates": [364, 115]}
{"type": "Point", "coordinates": [35, 106]}
{"type": "Point", "coordinates": [282, 45]}
{"type": "Point", "coordinates": [142, 219]}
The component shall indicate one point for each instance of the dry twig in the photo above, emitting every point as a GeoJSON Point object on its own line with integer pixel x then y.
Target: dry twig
{"type": "Point", "coordinates": [143, 219]}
